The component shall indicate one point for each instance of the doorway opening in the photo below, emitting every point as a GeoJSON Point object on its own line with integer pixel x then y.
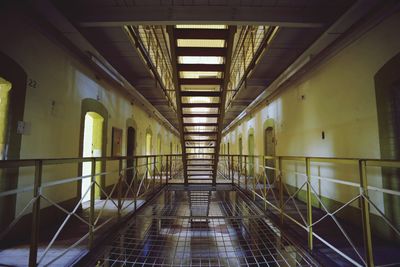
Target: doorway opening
{"type": "Point", "coordinates": [251, 153]}
{"type": "Point", "coordinates": [5, 87]}
{"type": "Point", "coordinates": [148, 151]}
{"type": "Point", "coordinates": [92, 147]}
{"type": "Point", "coordinates": [130, 152]}
{"type": "Point", "coordinates": [159, 152]}
{"type": "Point", "coordinates": [269, 150]}
{"type": "Point", "coordinates": [240, 153]}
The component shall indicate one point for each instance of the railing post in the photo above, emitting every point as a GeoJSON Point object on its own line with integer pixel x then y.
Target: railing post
{"type": "Point", "coordinates": [161, 169]}
{"type": "Point", "coordinates": [369, 253]}
{"type": "Point", "coordinates": [280, 188]}
{"type": "Point", "coordinates": [265, 181]}
{"type": "Point", "coordinates": [254, 177]}
{"type": "Point", "coordinates": [239, 169]}
{"type": "Point", "coordinates": [170, 167]}
{"type": "Point", "coordinates": [154, 172]}
{"type": "Point", "coordinates": [134, 189]}
{"type": "Point", "coordinates": [166, 170]}
{"type": "Point", "coordinates": [229, 168]}
{"type": "Point", "coordinates": [35, 214]}
{"type": "Point", "coordinates": [233, 171]}
{"type": "Point", "coordinates": [245, 172]}
{"type": "Point", "coordinates": [309, 205]}
{"type": "Point", "coordinates": [121, 178]}
{"type": "Point", "coordinates": [92, 202]}
{"type": "Point", "coordinates": [147, 170]}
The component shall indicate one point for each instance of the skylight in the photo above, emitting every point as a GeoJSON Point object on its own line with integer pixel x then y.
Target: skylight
{"type": "Point", "coordinates": [199, 110]}
{"type": "Point", "coordinates": [200, 74]}
{"type": "Point", "coordinates": [200, 60]}
{"type": "Point", "coordinates": [201, 43]}
{"type": "Point", "coordinates": [199, 120]}
{"type": "Point", "coordinates": [200, 87]}
{"type": "Point", "coordinates": [200, 99]}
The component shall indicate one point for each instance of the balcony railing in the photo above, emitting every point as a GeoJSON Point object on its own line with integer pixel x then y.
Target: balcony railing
{"type": "Point", "coordinates": [349, 206]}
{"type": "Point", "coordinates": [62, 221]}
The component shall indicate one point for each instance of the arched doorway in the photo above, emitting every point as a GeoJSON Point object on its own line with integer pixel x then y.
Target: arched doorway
{"type": "Point", "coordinates": [159, 152]}
{"type": "Point", "coordinates": [93, 142]}
{"type": "Point", "coordinates": [240, 152]}
{"type": "Point", "coordinates": [269, 150]}
{"type": "Point", "coordinates": [130, 152]}
{"type": "Point", "coordinates": [92, 147]}
{"type": "Point", "coordinates": [5, 87]}
{"type": "Point", "coordinates": [13, 82]}
{"type": "Point", "coordinates": [251, 153]}
{"type": "Point", "coordinates": [148, 148]}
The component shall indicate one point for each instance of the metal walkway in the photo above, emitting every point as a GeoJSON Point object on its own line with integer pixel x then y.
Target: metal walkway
{"type": "Point", "coordinates": [233, 232]}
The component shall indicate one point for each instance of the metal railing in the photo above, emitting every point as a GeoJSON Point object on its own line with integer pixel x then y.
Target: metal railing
{"type": "Point", "coordinates": [153, 45]}
{"type": "Point", "coordinates": [250, 43]}
{"type": "Point", "coordinates": [122, 190]}
{"type": "Point", "coordinates": [306, 191]}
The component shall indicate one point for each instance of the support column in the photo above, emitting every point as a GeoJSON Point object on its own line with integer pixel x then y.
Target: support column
{"type": "Point", "coordinates": [35, 214]}
{"type": "Point", "coordinates": [365, 213]}
{"type": "Point", "coordinates": [309, 205]}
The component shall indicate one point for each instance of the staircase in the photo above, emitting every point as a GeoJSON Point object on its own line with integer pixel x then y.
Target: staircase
{"type": "Point", "coordinates": [199, 204]}
{"type": "Point", "coordinates": [201, 57]}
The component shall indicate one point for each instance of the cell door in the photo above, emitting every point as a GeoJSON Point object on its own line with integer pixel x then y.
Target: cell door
{"type": "Point", "coordinates": [130, 151]}
{"type": "Point", "coordinates": [269, 150]}
{"type": "Point", "coordinates": [251, 153]}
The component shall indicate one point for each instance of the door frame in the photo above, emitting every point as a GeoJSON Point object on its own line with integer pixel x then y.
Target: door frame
{"type": "Point", "coordinates": [92, 105]}
{"type": "Point", "coordinates": [16, 75]}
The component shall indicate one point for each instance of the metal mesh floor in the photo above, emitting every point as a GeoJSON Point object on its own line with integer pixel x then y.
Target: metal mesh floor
{"type": "Point", "coordinates": [232, 233]}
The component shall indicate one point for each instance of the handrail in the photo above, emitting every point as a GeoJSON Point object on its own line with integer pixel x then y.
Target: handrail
{"type": "Point", "coordinates": [154, 172]}
{"type": "Point", "coordinates": [270, 180]}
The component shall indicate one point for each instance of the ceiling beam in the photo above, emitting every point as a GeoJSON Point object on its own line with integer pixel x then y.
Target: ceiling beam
{"type": "Point", "coordinates": [199, 147]}
{"type": "Point", "coordinates": [201, 93]}
{"type": "Point", "coordinates": [200, 124]}
{"type": "Point", "coordinates": [119, 16]}
{"type": "Point", "coordinates": [209, 34]}
{"type": "Point", "coordinates": [203, 81]}
{"type": "Point", "coordinates": [201, 51]}
{"type": "Point", "coordinates": [207, 115]}
{"type": "Point", "coordinates": [201, 133]}
{"type": "Point", "coordinates": [200, 105]}
{"type": "Point", "coordinates": [201, 67]}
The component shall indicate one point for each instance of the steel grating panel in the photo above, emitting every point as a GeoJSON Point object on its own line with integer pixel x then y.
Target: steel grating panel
{"type": "Point", "coordinates": [227, 231]}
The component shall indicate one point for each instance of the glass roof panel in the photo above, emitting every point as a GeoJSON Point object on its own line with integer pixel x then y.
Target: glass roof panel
{"type": "Point", "coordinates": [200, 74]}
{"type": "Point", "coordinates": [211, 144]}
{"type": "Point", "coordinates": [200, 120]}
{"type": "Point", "coordinates": [201, 43]}
{"type": "Point", "coordinates": [200, 60]}
{"type": "Point", "coordinates": [200, 87]}
{"type": "Point", "coordinates": [199, 137]}
{"type": "Point", "coordinates": [200, 99]}
{"type": "Point", "coordinates": [200, 128]}
{"type": "Point", "coordinates": [200, 150]}
{"type": "Point", "coordinates": [199, 110]}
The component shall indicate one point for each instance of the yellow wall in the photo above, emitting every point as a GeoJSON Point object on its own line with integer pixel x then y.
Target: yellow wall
{"type": "Point", "coordinates": [53, 108]}
{"type": "Point", "coordinates": [339, 99]}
